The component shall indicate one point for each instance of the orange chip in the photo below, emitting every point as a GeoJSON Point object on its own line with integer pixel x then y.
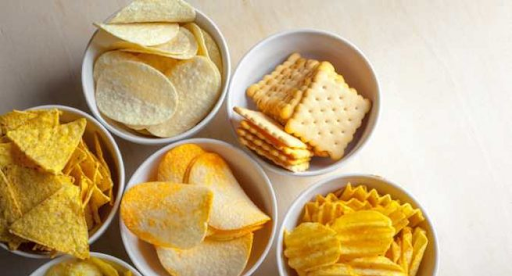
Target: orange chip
{"type": "Point", "coordinates": [176, 162]}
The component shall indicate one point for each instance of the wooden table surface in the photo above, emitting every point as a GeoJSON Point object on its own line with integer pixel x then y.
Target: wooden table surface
{"type": "Point", "coordinates": [445, 132]}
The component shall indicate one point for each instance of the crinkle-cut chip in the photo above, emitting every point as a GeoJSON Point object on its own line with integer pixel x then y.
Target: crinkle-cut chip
{"type": "Point", "coordinates": [160, 63]}
{"type": "Point", "coordinates": [50, 148]}
{"type": "Point", "coordinates": [376, 266]}
{"type": "Point", "coordinates": [232, 208]}
{"type": "Point", "coordinates": [145, 34]}
{"type": "Point", "coordinates": [213, 50]}
{"type": "Point", "coordinates": [223, 235]}
{"type": "Point", "coordinates": [6, 157]}
{"type": "Point", "coordinates": [155, 11]}
{"type": "Point", "coordinates": [359, 192]}
{"type": "Point", "coordinates": [326, 212]}
{"type": "Point", "coordinates": [58, 223]}
{"type": "Point", "coordinates": [31, 187]}
{"type": "Point", "coordinates": [198, 85]}
{"type": "Point", "coordinates": [167, 214]}
{"type": "Point", "coordinates": [407, 249]}
{"type": "Point", "coordinates": [356, 205]}
{"type": "Point", "coordinates": [176, 162]}
{"type": "Point", "coordinates": [210, 258]}
{"type": "Point", "coordinates": [198, 34]}
{"type": "Point", "coordinates": [363, 234]}
{"type": "Point", "coordinates": [311, 245]}
{"type": "Point", "coordinates": [329, 198]}
{"type": "Point", "coordinates": [135, 93]}
{"type": "Point", "coordinates": [110, 58]}
{"type": "Point", "coordinates": [9, 210]}
{"type": "Point", "coordinates": [30, 118]}
{"type": "Point", "coordinates": [420, 242]}
{"type": "Point", "coordinates": [414, 215]}
{"type": "Point", "coordinates": [333, 270]}
{"type": "Point", "coordinates": [394, 251]}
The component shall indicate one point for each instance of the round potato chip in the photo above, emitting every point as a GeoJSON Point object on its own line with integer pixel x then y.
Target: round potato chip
{"type": "Point", "coordinates": [145, 34]}
{"type": "Point", "coordinates": [135, 93]}
{"type": "Point", "coordinates": [176, 163]}
{"type": "Point", "coordinates": [198, 34]}
{"type": "Point", "coordinates": [197, 83]}
{"type": "Point", "coordinates": [155, 11]}
{"type": "Point", "coordinates": [108, 58]}
{"type": "Point", "coordinates": [160, 63]}
{"type": "Point", "coordinates": [213, 50]}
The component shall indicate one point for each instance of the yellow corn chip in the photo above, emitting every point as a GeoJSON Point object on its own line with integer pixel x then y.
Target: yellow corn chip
{"type": "Point", "coordinates": [10, 210]}
{"type": "Point", "coordinates": [6, 157]}
{"type": "Point", "coordinates": [376, 266]}
{"type": "Point", "coordinates": [98, 199]}
{"type": "Point", "coordinates": [176, 162]}
{"type": "Point", "coordinates": [29, 119]}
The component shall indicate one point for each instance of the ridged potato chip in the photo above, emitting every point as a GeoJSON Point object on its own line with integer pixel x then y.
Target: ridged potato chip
{"type": "Point", "coordinates": [311, 245]}
{"type": "Point", "coordinates": [197, 82]}
{"type": "Point", "coordinates": [376, 266]}
{"type": "Point", "coordinates": [210, 258]}
{"type": "Point", "coordinates": [155, 11]}
{"type": "Point", "coordinates": [333, 270]}
{"type": "Point", "coordinates": [394, 251]}
{"type": "Point", "coordinates": [406, 249]}
{"type": "Point", "coordinates": [363, 234]}
{"type": "Point", "coordinates": [420, 242]}
{"type": "Point", "coordinates": [167, 214]}
{"type": "Point", "coordinates": [232, 209]}
{"type": "Point", "coordinates": [109, 58]}
{"type": "Point", "coordinates": [135, 93]}
{"type": "Point", "coordinates": [176, 162]}
{"type": "Point", "coordinates": [325, 213]}
{"type": "Point", "coordinates": [145, 34]}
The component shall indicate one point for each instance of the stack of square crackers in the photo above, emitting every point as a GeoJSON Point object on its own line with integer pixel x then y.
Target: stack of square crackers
{"type": "Point", "coordinates": [306, 109]}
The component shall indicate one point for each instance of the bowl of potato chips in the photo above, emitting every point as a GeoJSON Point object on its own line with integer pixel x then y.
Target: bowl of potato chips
{"type": "Point", "coordinates": [97, 264]}
{"type": "Point", "coordinates": [61, 180]}
{"type": "Point", "coordinates": [220, 222]}
{"type": "Point", "coordinates": [303, 102]}
{"type": "Point", "coordinates": [356, 225]}
{"type": "Point", "coordinates": [156, 71]}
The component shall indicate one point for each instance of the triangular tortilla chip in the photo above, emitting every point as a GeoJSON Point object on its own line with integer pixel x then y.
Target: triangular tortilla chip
{"type": "Point", "coordinates": [9, 210]}
{"type": "Point", "coordinates": [226, 258]}
{"type": "Point", "coordinates": [57, 223]}
{"type": "Point", "coordinates": [6, 157]}
{"type": "Point", "coordinates": [232, 208]}
{"type": "Point", "coordinates": [29, 119]}
{"type": "Point", "coordinates": [50, 148]}
{"type": "Point", "coordinates": [98, 199]}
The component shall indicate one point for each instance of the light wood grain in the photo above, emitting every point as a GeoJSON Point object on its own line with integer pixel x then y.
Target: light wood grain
{"type": "Point", "coordinates": [445, 133]}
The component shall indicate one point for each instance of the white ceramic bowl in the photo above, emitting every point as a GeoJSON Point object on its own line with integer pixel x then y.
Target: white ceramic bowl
{"type": "Point", "coordinates": [251, 177]}
{"type": "Point", "coordinates": [100, 43]}
{"type": "Point", "coordinates": [113, 158]}
{"type": "Point", "coordinates": [41, 271]}
{"type": "Point", "coordinates": [431, 258]}
{"type": "Point", "coordinates": [346, 58]}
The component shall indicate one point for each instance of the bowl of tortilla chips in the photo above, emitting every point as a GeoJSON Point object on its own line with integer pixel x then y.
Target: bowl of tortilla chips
{"type": "Point", "coordinates": [222, 221]}
{"type": "Point", "coordinates": [61, 180]}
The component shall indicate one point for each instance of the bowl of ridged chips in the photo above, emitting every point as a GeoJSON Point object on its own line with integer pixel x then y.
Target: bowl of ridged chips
{"type": "Point", "coordinates": [303, 102]}
{"type": "Point", "coordinates": [156, 71]}
{"type": "Point", "coordinates": [61, 180]}
{"type": "Point", "coordinates": [356, 225]}
{"type": "Point", "coordinates": [198, 207]}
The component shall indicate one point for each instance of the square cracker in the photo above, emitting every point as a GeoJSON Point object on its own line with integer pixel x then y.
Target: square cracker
{"type": "Point", "coordinates": [279, 92]}
{"type": "Point", "coordinates": [329, 114]}
{"type": "Point", "coordinates": [270, 129]}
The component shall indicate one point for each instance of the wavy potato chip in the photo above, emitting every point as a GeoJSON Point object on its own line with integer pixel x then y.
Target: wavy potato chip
{"type": "Point", "coordinates": [135, 93]}
{"type": "Point", "coordinates": [210, 258]}
{"type": "Point", "coordinates": [197, 82]}
{"type": "Point", "coordinates": [109, 58]}
{"type": "Point", "coordinates": [145, 34]}
{"type": "Point", "coordinates": [155, 11]}
{"type": "Point", "coordinates": [167, 214]}
{"type": "Point", "coordinates": [420, 242]}
{"type": "Point", "coordinates": [232, 209]}
{"type": "Point", "coordinates": [213, 50]}
{"type": "Point", "coordinates": [176, 162]}
{"type": "Point", "coordinates": [333, 270]}
{"type": "Point", "coordinates": [376, 266]}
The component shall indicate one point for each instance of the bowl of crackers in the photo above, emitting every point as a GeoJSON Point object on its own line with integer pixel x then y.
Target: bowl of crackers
{"type": "Point", "coordinates": [357, 225]}
{"type": "Point", "coordinates": [156, 71]}
{"type": "Point", "coordinates": [198, 207]}
{"type": "Point", "coordinates": [61, 181]}
{"type": "Point", "coordinates": [302, 102]}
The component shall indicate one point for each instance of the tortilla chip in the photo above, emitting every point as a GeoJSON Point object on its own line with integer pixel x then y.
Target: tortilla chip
{"type": "Point", "coordinates": [98, 199]}
{"type": "Point", "coordinates": [50, 148]}
{"type": "Point", "coordinates": [29, 119]}
{"type": "Point", "coordinates": [6, 157]}
{"type": "Point", "coordinates": [9, 210]}
{"type": "Point", "coordinates": [57, 223]}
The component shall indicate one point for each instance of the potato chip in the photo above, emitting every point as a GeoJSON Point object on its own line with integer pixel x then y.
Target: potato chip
{"type": "Point", "coordinates": [198, 83]}
{"type": "Point", "coordinates": [135, 93]}
{"type": "Point", "coordinates": [406, 249]}
{"type": "Point", "coordinates": [105, 268]}
{"type": "Point", "coordinates": [394, 251]}
{"type": "Point", "coordinates": [50, 148]}
{"type": "Point", "coordinates": [208, 258]}
{"type": "Point", "coordinates": [325, 213]}
{"type": "Point", "coordinates": [198, 34]}
{"type": "Point", "coordinates": [420, 242]}
{"type": "Point", "coordinates": [175, 163]}
{"type": "Point", "coordinates": [376, 266]}
{"type": "Point", "coordinates": [363, 234]}
{"type": "Point", "coordinates": [109, 58]}
{"type": "Point", "coordinates": [213, 50]}
{"type": "Point", "coordinates": [74, 268]}
{"type": "Point", "coordinates": [160, 63]}
{"type": "Point", "coordinates": [167, 214]}
{"type": "Point", "coordinates": [310, 246]}
{"type": "Point", "coordinates": [333, 270]}
{"type": "Point", "coordinates": [155, 11]}
{"type": "Point", "coordinates": [145, 34]}
{"type": "Point", "coordinates": [232, 208]}
{"type": "Point", "coordinates": [223, 235]}
{"type": "Point", "coordinates": [58, 223]}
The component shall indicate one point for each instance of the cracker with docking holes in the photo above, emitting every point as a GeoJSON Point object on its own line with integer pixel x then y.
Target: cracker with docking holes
{"type": "Point", "coordinates": [279, 92]}
{"type": "Point", "coordinates": [270, 129]}
{"type": "Point", "coordinates": [294, 168]}
{"type": "Point", "coordinates": [329, 114]}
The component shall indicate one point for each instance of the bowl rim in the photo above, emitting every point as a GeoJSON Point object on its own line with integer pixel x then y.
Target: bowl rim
{"type": "Point", "coordinates": [139, 139]}
{"type": "Point", "coordinates": [281, 263]}
{"type": "Point", "coordinates": [375, 103]}
{"type": "Point", "coordinates": [274, 208]}
{"type": "Point", "coordinates": [121, 171]}
{"type": "Point", "coordinates": [44, 268]}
